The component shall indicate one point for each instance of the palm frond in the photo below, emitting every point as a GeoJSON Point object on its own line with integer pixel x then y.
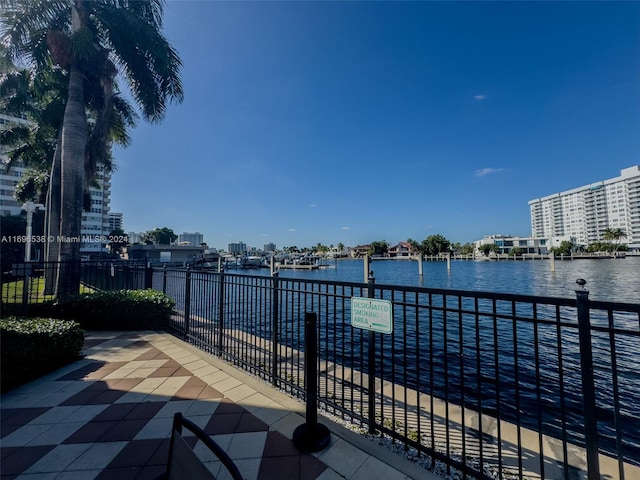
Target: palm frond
{"type": "Point", "coordinates": [25, 22]}
{"type": "Point", "coordinates": [147, 60]}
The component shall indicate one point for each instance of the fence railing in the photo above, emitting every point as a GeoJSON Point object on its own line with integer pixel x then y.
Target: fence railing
{"type": "Point", "coordinates": [34, 282]}
{"type": "Point", "coordinates": [487, 383]}
{"type": "Point", "coordinates": [490, 384]}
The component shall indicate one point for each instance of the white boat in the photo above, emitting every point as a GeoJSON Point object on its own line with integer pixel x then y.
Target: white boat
{"type": "Point", "coordinates": [208, 260]}
{"type": "Point", "coordinates": [251, 261]}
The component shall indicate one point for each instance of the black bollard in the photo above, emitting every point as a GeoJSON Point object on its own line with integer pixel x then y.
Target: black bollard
{"type": "Point", "coordinates": [311, 436]}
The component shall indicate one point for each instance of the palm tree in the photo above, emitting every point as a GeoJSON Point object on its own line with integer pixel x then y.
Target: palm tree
{"type": "Point", "coordinates": [615, 234]}
{"type": "Point", "coordinates": [415, 246]}
{"type": "Point", "coordinates": [40, 96]}
{"type": "Point", "coordinates": [92, 40]}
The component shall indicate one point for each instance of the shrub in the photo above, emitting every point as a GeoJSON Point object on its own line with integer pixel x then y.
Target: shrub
{"type": "Point", "coordinates": [113, 310]}
{"type": "Point", "coordinates": [32, 347]}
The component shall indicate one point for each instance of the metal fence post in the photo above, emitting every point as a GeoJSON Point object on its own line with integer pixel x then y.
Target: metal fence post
{"type": "Point", "coordinates": [148, 276]}
{"type": "Point", "coordinates": [25, 287]}
{"type": "Point", "coordinates": [588, 382]}
{"type": "Point", "coordinates": [275, 321]}
{"type": "Point", "coordinates": [221, 310]}
{"type": "Point", "coordinates": [126, 272]}
{"type": "Point", "coordinates": [164, 279]}
{"type": "Point", "coordinates": [187, 302]}
{"type": "Point", "coordinates": [311, 436]}
{"type": "Point", "coordinates": [371, 354]}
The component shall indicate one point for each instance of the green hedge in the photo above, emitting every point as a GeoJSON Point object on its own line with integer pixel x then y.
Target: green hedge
{"type": "Point", "coordinates": [32, 347]}
{"type": "Point", "coordinates": [112, 310]}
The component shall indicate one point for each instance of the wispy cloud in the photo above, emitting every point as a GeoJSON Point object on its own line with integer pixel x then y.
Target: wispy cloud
{"type": "Point", "coordinates": [292, 229]}
{"type": "Point", "coordinates": [345, 228]}
{"type": "Point", "coordinates": [483, 172]}
{"type": "Point", "coordinates": [312, 205]}
{"type": "Point", "coordinates": [479, 97]}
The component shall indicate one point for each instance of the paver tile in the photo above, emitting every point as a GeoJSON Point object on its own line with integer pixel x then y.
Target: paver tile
{"type": "Point", "coordinates": [56, 434]}
{"type": "Point", "coordinates": [77, 475]}
{"type": "Point", "coordinates": [95, 424]}
{"type": "Point", "coordinates": [155, 428]}
{"type": "Point", "coordinates": [172, 407]}
{"type": "Point", "coordinates": [97, 456]}
{"type": "Point", "coordinates": [372, 468]}
{"type": "Point", "coordinates": [24, 435]}
{"type": "Point", "coordinates": [90, 432]}
{"type": "Point", "coordinates": [124, 430]}
{"type": "Point", "coordinates": [58, 459]}
{"type": "Point", "coordinates": [144, 410]}
{"type": "Point", "coordinates": [247, 445]}
{"type": "Point", "coordinates": [343, 457]}
{"type": "Point", "coordinates": [16, 460]}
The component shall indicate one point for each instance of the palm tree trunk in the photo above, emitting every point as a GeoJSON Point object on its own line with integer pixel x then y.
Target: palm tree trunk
{"type": "Point", "coordinates": [52, 222]}
{"type": "Point", "coordinates": [74, 138]}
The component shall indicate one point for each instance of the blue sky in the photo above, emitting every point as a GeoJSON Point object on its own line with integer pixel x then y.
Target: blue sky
{"type": "Point", "coordinates": [307, 122]}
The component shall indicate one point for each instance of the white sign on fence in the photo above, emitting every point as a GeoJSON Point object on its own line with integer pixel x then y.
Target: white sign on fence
{"type": "Point", "coordinates": [372, 314]}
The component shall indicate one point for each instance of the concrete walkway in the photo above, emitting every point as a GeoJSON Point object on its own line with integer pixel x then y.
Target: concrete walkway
{"type": "Point", "coordinates": [108, 416]}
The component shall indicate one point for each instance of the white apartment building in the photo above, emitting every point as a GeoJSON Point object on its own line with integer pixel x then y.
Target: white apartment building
{"type": "Point", "coordinates": [187, 238]}
{"type": "Point", "coordinates": [115, 221]}
{"type": "Point", "coordinates": [95, 222]}
{"type": "Point", "coordinates": [237, 248]}
{"type": "Point", "coordinates": [8, 181]}
{"type": "Point", "coordinates": [537, 245]}
{"type": "Point", "coordinates": [135, 237]}
{"type": "Point", "coordinates": [585, 212]}
{"type": "Point", "coordinates": [9, 178]}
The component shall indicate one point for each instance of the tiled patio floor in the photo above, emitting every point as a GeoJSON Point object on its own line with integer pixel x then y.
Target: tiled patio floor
{"type": "Point", "coordinates": [108, 416]}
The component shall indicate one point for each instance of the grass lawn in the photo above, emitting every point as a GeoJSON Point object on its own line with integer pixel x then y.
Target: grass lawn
{"type": "Point", "coordinates": [12, 291]}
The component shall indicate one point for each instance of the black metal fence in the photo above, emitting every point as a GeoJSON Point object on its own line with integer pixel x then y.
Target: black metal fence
{"type": "Point", "coordinates": [487, 383]}
{"type": "Point", "coordinates": [34, 282]}
{"type": "Point", "coordinates": [490, 384]}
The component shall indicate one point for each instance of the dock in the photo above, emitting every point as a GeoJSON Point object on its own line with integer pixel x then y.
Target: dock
{"type": "Point", "coordinates": [294, 266]}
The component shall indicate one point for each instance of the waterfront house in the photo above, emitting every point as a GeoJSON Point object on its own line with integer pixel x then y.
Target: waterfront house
{"type": "Point", "coordinates": [402, 249]}
{"type": "Point", "coordinates": [360, 251]}
{"type": "Point", "coordinates": [528, 245]}
{"type": "Point", "coordinates": [167, 254]}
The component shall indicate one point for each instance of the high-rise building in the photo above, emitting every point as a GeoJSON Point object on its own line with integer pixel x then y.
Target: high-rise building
{"type": "Point", "coordinates": [195, 239]}
{"type": "Point", "coordinates": [95, 222]}
{"type": "Point", "coordinates": [135, 237]}
{"type": "Point", "coordinates": [115, 221]}
{"type": "Point", "coordinates": [586, 212]}
{"type": "Point", "coordinates": [269, 247]}
{"type": "Point", "coordinates": [8, 181]}
{"type": "Point", "coordinates": [9, 178]}
{"type": "Point", "coordinates": [237, 248]}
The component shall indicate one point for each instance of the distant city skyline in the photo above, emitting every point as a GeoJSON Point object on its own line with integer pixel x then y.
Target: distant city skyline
{"type": "Point", "coordinates": [350, 122]}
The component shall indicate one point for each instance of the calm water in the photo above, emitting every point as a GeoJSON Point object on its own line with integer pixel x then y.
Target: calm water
{"type": "Point", "coordinates": [607, 279]}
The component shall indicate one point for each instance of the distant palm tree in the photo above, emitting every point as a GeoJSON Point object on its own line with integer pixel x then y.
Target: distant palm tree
{"type": "Point", "coordinates": [414, 245]}
{"type": "Point", "coordinates": [614, 234]}
{"type": "Point", "coordinates": [92, 40]}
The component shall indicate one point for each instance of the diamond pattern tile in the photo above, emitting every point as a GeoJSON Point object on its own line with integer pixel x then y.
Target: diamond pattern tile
{"type": "Point", "coordinates": [110, 418]}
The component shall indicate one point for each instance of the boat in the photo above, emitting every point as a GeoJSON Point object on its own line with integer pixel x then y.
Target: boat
{"type": "Point", "coordinates": [252, 261]}
{"type": "Point", "coordinates": [208, 260]}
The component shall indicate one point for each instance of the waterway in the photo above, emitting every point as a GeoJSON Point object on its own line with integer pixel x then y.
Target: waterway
{"type": "Point", "coordinates": [616, 280]}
